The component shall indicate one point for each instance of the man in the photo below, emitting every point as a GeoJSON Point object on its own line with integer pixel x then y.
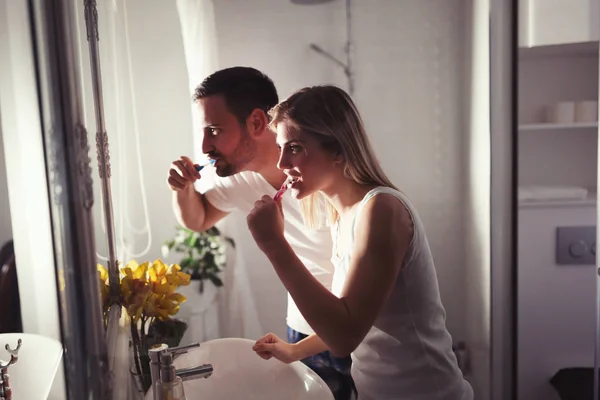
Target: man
{"type": "Point", "coordinates": [234, 105]}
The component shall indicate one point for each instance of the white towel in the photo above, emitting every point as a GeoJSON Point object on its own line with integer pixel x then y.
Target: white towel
{"type": "Point", "coordinates": [536, 193]}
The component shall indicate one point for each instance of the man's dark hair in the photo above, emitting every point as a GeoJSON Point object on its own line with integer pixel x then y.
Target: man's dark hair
{"type": "Point", "coordinates": [245, 89]}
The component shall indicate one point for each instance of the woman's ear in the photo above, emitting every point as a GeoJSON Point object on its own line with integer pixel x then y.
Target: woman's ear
{"type": "Point", "coordinates": [257, 123]}
{"type": "Point", "coordinates": [338, 157]}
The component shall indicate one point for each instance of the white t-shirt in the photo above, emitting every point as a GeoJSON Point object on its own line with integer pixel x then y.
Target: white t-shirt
{"type": "Point", "coordinates": [312, 246]}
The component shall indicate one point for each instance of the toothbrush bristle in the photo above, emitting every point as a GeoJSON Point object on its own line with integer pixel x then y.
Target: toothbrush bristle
{"type": "Point", "coordinates": [200, 167]}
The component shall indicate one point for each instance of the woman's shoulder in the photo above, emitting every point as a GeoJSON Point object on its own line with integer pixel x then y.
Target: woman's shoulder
{"type": "Point", "coordinates": [385, 206]}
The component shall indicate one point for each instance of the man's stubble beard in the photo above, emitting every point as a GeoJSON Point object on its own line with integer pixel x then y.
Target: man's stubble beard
{"type": "Point", "coordinates": [243, 155]}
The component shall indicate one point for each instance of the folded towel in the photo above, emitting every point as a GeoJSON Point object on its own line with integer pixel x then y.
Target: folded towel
{"type": "Point", "coordinates": [537, 193]}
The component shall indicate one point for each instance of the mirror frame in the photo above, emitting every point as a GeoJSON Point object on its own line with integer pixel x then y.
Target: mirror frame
{"type": "Point", "coordinates": [71, 199]}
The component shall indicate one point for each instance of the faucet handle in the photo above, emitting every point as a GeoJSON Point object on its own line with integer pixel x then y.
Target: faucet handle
{"type": "Point", "coordinates": [182, 349]}
{"type": "Point", "coordinates": [155, 351]}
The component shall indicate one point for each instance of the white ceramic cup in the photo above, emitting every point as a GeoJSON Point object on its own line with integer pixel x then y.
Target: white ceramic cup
{"type": "Point", "coordinates": [562, 112]}
{"type": "Point", "coordinates": [586, 111]}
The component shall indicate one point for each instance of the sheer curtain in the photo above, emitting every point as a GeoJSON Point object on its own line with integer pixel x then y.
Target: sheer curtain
{"type": "Point", "coordinates": [229, 311]}
{"type": "Point", "coordinates": [133, 237]}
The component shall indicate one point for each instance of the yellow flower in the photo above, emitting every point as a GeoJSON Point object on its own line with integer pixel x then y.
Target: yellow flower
{"type": "Point", "coordinates": [163, 306]}
{"type": "Point", "coordinates": [102, 273]}
{"type": "Point", "coordinates": [146, 289]}
{"type": "Point", "coordinates": [134, 288]}
{"type": "Point", "coordinates": [104, 287]}
{"type": "Point", "coordinates": [166, 279]}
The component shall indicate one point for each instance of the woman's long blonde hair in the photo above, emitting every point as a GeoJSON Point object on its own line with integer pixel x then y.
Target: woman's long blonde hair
{"type": "Point", "coordinates": [329, 114]}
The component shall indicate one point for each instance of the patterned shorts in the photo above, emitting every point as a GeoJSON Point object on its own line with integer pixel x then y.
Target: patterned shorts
{"type": "Point", "coordinates": [334, 371]}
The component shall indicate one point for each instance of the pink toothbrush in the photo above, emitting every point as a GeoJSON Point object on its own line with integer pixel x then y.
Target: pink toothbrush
{"type": "Point", "coordinates": [281, 191]}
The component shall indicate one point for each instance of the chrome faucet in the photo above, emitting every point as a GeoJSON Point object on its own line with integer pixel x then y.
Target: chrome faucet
{"type": "Point", "coordinates": [161, 353]}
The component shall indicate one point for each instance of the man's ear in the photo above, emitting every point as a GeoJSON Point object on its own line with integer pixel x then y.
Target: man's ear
{"type": "Point", "coordinates": [257, 123]}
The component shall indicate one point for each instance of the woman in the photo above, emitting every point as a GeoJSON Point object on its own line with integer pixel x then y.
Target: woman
{"type": "Point", "coordinates": [385, 309]}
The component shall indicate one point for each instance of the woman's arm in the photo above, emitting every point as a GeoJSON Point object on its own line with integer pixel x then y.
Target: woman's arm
{"type": "Point", "coordinates": [309, 346]}
{"type": "Point", "coordinates": [271, 345]}
{"type": "Point", "coordinates": [382, 236]}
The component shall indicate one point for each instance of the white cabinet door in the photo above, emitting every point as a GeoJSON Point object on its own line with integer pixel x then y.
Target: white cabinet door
{"type": "Point", "coordinates": [548, 22]}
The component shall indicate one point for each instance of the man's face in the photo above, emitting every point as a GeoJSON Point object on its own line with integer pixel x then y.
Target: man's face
{"type": "Point", "coordinates": [225, 139]}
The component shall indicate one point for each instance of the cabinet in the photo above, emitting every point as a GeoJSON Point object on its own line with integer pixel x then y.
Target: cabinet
{"type": "Point", "coordinates": [557, 153]}
{"type": "Point", "coordinates": [556, 304]}
{"type": "Point", "coordinates": [551, 22]}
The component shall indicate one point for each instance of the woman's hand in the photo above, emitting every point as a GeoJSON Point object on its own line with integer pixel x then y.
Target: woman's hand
{"type": "Point", "coordinates": [271, 346]}
{"type": "Point", "coordinates": [265, 222]}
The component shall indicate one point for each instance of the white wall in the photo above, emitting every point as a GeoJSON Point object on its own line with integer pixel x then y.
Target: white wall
{"type": "Point", "coordinates": [556, 303]}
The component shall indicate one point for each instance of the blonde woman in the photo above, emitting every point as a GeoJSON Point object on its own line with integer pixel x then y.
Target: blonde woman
{"type": "Point", "coordinates": [384, 308]}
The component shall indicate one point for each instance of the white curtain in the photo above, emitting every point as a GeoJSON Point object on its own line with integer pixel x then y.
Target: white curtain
{"type": "Point", "coordinates": [229, 311]}
{"type": "Point", "coordinates": [129, 198]}
{"type": "Point", "coordinates": [216, 313]}
{"type": "Point", "coordinates": [199, 32]}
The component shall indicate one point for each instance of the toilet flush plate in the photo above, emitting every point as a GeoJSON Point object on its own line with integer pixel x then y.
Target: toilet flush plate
{"type": "Point", "coordinates": [576, 245]}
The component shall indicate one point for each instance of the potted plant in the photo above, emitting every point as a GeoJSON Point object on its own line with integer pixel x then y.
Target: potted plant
{"type": "Point", "coordinates": [203, 253]}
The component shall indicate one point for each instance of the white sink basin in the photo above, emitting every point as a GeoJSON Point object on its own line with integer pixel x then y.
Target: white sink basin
{"type": "Point", "coordinates": [239, 373]}
{"type": "Point", "coordinates": [31, 377]}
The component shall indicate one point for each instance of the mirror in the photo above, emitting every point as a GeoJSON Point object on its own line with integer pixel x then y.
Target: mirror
{"type": "Point", "coordinates": [47, 163]}
{"type": "Point", "coordinates": [417, 73]}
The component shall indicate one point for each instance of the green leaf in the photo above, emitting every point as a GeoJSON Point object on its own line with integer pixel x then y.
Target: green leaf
{"type": "Point", "coordinates": [216, 280]}
{"type": "Point", "coordinates": [191, 241]}
{"type": "Point", "coordinates": [186, 263]}
{"type": "Point", "coordinates": [203, 253]}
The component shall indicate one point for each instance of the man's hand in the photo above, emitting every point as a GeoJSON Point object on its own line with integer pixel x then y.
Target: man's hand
{"type": "Point", "coordinates": [182, 174]}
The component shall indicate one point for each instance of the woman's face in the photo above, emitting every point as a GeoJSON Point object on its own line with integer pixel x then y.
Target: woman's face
{"type": "Point", "coordinates": [303, 159]}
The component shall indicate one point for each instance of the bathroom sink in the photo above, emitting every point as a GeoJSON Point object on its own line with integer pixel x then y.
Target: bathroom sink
{"type": "Point", "coordinates": [31, 377]}
{"type": "Point", "coordinates": [239, 373]}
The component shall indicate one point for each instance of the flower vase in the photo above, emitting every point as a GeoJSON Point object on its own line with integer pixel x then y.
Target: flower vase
{"type": "Point", "coordinates": [200, 312]}
{"type": "Point", "coordinates": [140, 371]}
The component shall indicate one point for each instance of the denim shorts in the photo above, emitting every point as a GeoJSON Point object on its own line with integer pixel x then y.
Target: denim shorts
{"type": "Point", "coordinates": [334, 371]}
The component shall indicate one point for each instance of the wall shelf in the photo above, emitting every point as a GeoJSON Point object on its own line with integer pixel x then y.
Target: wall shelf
{"type": "Point", "coordinates": [554, 127]}
{"type": "Point", "coordinates": [589, 201]}
{"type": "Point", "coordinates": [583, 49]}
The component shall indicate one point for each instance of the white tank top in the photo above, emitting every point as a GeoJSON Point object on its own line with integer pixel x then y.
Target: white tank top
{"type": "Point", "coordinates": [407, 353]}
